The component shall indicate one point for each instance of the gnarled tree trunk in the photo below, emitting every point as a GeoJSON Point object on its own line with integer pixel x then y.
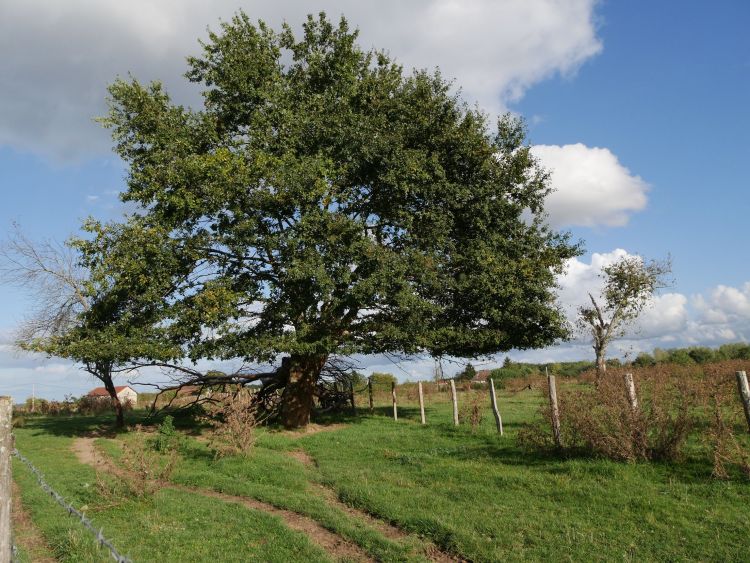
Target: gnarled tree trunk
{"type": "Point", "coordinates": [302, 373]}
{"type": "Point", "coordinates": [116, 403]}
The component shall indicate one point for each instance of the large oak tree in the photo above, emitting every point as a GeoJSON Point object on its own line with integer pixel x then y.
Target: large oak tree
{"type": "Point", "coordinates": [342, 205]}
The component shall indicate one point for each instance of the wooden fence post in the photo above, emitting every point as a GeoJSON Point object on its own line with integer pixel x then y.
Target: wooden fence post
{"type": "Point", "coordinates": [455, 403]}
{"type": "Point", "coordinates": [369, 391]}
{"type": "Point", "coordinates": [744, 390]}
{"type": "Point", "coordinates": [393, 394]}
{"type": "Point", "coordinates": [555, 409]}
{"type": "Point", "coordinates": [351, 396]}
{"type": "Point", "coordinates": [421, 402]}
{"type": "Point", "coordinates": [493, 401]}
{"type": "Point", "coordinates": [630, 390]}
{"type": "Point", "coordinates": [6, 447]}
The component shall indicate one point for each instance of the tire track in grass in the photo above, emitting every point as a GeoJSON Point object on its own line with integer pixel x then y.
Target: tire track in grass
{"type": "Point", "coordinates": [336, 546]}
{"type": "Point", "coordinates": [432, 552]}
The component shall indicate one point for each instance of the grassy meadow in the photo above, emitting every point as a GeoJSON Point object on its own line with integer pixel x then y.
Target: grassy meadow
{"type": "Point", "coordinates": [456, 493]}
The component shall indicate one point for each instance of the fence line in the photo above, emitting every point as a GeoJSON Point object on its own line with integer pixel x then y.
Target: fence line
{"type": "Point", "coordinates": [99, 534]}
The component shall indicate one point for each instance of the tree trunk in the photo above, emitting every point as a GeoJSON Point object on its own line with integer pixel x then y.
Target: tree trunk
{"type": "Point", "coordinates": [601, 362]}
{"type": "Point", "coordinates": [116, 403]}
{"type": "Point", "coordinates": [302, 374]}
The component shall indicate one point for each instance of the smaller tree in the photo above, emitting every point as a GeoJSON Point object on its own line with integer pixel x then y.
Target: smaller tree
{"type": "Point", "coordinates": [96, 299]}
{"type": "Point", "coordinates": [644, 359]}
{"type": "Point", "coordinates": [384, 379]}
{"type": "Point", "coordinates": [629, 285]}
{"type": "Point", "coordinates": [467, 374]}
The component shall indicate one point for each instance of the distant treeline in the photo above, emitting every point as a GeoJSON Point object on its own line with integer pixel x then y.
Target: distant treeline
{"type": "Point", "coordinates": [682, 356]}
{"type": "Point", "coordinates": [695, 355]}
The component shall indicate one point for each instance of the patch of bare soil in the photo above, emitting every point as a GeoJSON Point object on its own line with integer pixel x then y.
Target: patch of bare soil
{"type": "Point", "coordinates": [334, 545]}
{"type": "Point", "coordinates": [303, 457]}
{"type": "Point", "coordinates": [86, 452]}
{"type": "Point", "coordinates": [313, 429]}
{"type": "Point", "coordinates": [25, 533]}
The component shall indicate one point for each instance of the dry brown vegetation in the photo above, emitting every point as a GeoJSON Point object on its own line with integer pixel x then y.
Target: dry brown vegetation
{"type": "Point", "coordinates": [233, 422]}
{"type": "Point", "coordinates": [141, 472]}
{"type": "Point", "coordinates": [674, 403]}
{"type": "Point", "coordinates": [472, 410]}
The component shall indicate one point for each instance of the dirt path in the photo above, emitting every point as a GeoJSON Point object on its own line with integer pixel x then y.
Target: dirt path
{"type": "Point", "coordinates": [337, 547]}
{"type": "Point", "coordinates": [25, 533]}
{"type": "Point", "coordinates": [313, 428]}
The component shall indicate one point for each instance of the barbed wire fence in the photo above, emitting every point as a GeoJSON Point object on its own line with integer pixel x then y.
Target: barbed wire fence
{"type": "Point", "coordinates": [98, 534]}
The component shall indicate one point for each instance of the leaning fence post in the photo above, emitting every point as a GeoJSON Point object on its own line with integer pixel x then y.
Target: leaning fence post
{"type": "Point", "coordinates": [555, 410]}
{"type": "Point", "coordinates": [630, 390]}
{"type": "Point", "coordinates": [6, 447]}
{"type": "Point", "coordinates": [455, 403]}
{"type": "Point", "coordinates": [421, 402]}
{"type": "Point", "coordinates": [495, 411]}
{"type": "Point", "coordinates": [744, 390]}
{"type": "Point", "coordinates": [393, 394]}
{"type": "Point", "coordinates": [369, 392]}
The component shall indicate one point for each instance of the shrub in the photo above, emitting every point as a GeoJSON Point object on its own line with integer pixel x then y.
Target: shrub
{"type": "Point", "coordinates": [599, 419]}
{"type": "Point", "coordinates": [384, 379]}
{"type": "Point", "coordinates": [726, 420]}
{"type": "Point", "coordinates": [168, 439]}
{"type": "Point", "coordinates": [234, 423]}
{"type": "Point", "coordinates": [93, 405]}
{"type": "Point", "coordinates": [140, 473]}
{"type": "Point", "coordinates": [472, 411]}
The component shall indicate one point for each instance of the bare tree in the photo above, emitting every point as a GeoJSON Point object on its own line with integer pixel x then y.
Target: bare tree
{"type": "Point", "coordinates": [60, 294]}
{"type": "Point", "coordinates": [50, 273]}
{"type": "Point", "coordinates": [629, 285]}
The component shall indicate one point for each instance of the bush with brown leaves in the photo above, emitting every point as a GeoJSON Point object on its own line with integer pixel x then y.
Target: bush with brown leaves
{"type": "Point", "coordinates": [140, 472]}
{"type": "Point", "coordinates": [234, 421]}
{"type": "Point", "coordinates": [599, 419]}
{"type": "Point", "coordinates": [472, 410]}
{"type": "Point", "coordinates": [727, 428]}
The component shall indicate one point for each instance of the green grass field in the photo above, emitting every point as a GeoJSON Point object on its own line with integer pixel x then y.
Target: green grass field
{"type": "Point", "coordinates": [475, 495]}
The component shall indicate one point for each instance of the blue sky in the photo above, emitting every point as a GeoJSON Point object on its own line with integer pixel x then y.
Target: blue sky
{"type": "Point", "coordinates": [637, 108]}
{"type": "Point", "coordinates": [668, 95]}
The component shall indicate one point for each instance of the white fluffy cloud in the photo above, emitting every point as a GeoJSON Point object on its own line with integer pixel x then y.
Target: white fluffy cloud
{"type": "Point", "coordinates": [56, 58]}
{"type": "Point", "coordinates": [725, 304]}
{"type": "Point", "coordinates": [592, 188]}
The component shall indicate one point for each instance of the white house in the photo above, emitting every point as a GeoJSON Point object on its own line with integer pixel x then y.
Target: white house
{"type": "Point", "coordinates": [125, 393]}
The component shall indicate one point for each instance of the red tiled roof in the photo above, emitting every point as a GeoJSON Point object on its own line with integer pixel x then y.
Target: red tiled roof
{"type": "Point", "coordinates": [102, 391]}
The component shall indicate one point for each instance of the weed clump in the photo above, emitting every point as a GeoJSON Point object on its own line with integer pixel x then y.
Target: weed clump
{"type": "Point", "coordinates": [471, 411]}
{"type": "Point", "coordinates": [600, 419]}
{"type": "Point", "coordinates": [168, 439]}
{"type": "Point", "coordinates": [140, 472]}
{"type": "Point", "coordinates": [234, 421]}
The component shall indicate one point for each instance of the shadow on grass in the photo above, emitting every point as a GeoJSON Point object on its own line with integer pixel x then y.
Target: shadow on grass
{"type": "Point", "coordinates": [693, 469]}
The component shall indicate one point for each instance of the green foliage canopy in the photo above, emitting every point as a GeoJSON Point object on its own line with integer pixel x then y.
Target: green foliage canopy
{"type": "Point", "coordinates": [340, 204]}
{"type": "Point", "coordinates": [384, 379]}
